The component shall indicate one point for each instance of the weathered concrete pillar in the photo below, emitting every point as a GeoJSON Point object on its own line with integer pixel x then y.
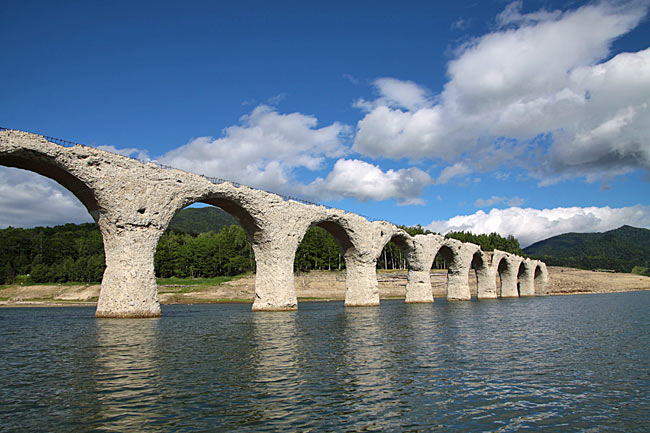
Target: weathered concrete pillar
{"type": "Point", "coordinates": [458, 284]}
{"type": "Point", "coordinates": [526, 278]}
{"type": "Point", "coordinates": [420, 258]}
{"type": "Point", "coordinates": [458, 270]}
{"type": "Point", "coordinates": [418, 287]}
{"type": "Point", "coordinates": [486, 281]}
{"type": "Point", "coordinates": [509, 277]}
{"type": "Point", "coordinates": [361, 288]}
{"type": "Point", "coordinates": [129, 284]}
{"type": "Point", "coordinates": [274, 281]}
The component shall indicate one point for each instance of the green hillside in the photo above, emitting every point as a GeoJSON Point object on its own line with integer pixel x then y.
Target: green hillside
{"type": "Point", "coordinates": [197, 220]}
{"type": "Point", "coordinates": [623, 250]}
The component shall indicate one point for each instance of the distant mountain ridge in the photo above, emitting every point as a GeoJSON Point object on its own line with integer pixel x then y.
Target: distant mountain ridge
{"type": "Point", "coordinates": [620, 250]}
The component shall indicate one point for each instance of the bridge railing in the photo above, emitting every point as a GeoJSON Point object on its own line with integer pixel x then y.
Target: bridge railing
{"type": "Point", "coordinates": [215, 180]}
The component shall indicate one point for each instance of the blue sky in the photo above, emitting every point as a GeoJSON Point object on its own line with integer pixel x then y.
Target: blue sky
{"type": "Point", "coordinates": [529, 118]}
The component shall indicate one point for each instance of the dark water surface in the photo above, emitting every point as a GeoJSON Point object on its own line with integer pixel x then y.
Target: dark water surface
{"type": "Point", "coordinates": [564, 363]}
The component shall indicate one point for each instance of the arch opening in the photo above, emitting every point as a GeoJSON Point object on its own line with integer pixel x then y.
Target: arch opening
{"type": "Point", "coordinates": [540, 277]}
{"type": "Point", "coordinates": [319, 251]}
{"type": "Point", "coordinates": [394, 255]}
{"type": "Point", "coordinates": [58, 250]}
{"type": "Point", "coordinates": [502, 269]}
{"type": "Point", "coordinates": [204, 244]}
{"type": "Point", "coordinates": [322, 252]}
{"type": "Point", "coordinates": [521, 276]}
{"type": "Point", "coordinates": [444, 259]}
{"type": "Point", "coordinates": [36, 163]}
{"type": "Point", "coordinates": [478, 266]}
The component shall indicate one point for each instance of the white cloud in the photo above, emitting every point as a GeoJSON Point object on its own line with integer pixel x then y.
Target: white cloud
{"type": "Point", "coordinates": [513, 201]}
{"type": "Point", "coordinates": [264, 150]}
{"type": "Point", "coordinates": [512, 15]}
{"type": "Point", "coordinates": [532, 225]}
{"type": "Point", "coordinates": [131, 152]}
{"type": "Point", "coordinates": [538, 93]}
{"type": "Point", "coordinates": [401, 94]}
{"type": "Point", "coordinates": [28, 199]}
{"type": "Point", "coordinates": [452, 171]}
{"type": "Point", "coordinates": [365, 181]}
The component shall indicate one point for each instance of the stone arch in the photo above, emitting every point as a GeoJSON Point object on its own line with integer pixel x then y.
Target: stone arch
{"type": "Point", "coordinates": [332, 225]}
{"type": "Point", "coordinates": [507, 267]}
{"type": "Point", "coordinates": [230, 203]}
{"type": "Point", "coordinates": [52, 167]}
{"type": "Point", "coordinates": [525, 277]}
{"type": "Point", "coordinates": [360, 243]}
{"type": "Point", "coordinates": [404, 243]}
{"type": "Point", "coordinates": [485, 285]}
{"type": "Point", "coordinates": [540, 278]}
{"type": "Point", "coordinates": [335, 225]}
{"type": "Point", "coordinates": [457, 258]}
{"type": "Point", "coordinates": [339, 233]}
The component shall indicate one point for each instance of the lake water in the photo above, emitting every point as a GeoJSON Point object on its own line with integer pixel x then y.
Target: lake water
{"type": "Point", "coordinates": [564, 363]}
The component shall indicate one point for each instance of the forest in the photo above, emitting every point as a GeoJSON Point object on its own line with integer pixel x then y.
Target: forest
{"type": "Point", "coordinates": [625, 249]}
{"type": "Point", "coordinates": [75, 253]}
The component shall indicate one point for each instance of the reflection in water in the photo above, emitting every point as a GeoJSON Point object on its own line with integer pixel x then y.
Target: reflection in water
{"type": "Point", "coordinates": [544, 363]}
{"type": "Point", "coordinates": [369, 375]}
{"type": "Point", "coordinates": [277, 378]}
{"type": "Point", "coordinates": [127, 374]}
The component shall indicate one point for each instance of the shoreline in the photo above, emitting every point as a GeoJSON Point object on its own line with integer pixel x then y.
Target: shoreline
{"type": "Point", "coordinates": [315, 286]}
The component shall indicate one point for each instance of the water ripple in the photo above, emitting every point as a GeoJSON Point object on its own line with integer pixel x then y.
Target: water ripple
{"type": "Point", "coordinates": [558, 363]}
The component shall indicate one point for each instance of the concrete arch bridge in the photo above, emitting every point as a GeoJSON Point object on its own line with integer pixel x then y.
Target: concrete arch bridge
{"type": "Point", "coordinates": [133, 202]}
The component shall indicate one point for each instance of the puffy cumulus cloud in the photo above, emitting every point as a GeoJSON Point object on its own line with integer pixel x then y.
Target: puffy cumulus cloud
{"type": "Point", "coordinates": [365, 181]}
{"type": "Point", "coordinates": [538, 92]}
{"type": "Point", "coordinates": [28, 200]}
{"type": "Point", "coordinates": [266, 149]}
{"type": "Point", "coordinates": [397, 93]}
{"type": "Point", "coordinates": [532, 225]}
{"type": "Point", "coordinates": [263, 150]}
{"type": "Point", "coordinates": [514, 201]}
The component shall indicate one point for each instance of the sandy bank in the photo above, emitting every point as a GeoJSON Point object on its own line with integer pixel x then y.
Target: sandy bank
{"type": "Point", "coordinates": [319, 285]}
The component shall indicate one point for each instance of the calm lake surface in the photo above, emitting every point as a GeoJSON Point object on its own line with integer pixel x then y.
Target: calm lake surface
{"type": "Point", "coordinates": [563, 363]}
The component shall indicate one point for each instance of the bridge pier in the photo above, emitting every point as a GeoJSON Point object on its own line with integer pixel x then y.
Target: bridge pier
{"type": "Point", "coordinates": [509, 287]}
{"type": "Point", "coordinates": [526, 278]}
{"type": "Point", "coordinates": [129, 286]}
{"type": "Point", "coordinates": [486, 281]}
{"type": "Point", "coordinates": [361, 288]}
{"type": "Point", "coordinates": [274, 280]}
{"type": "Point", "coordinates": [458, 271]}
{"type": "Point", "coordinates": [420, 258]}
{"type": "Point", "coordinates": [418, 287]}
{"type": "Point", "coordinates": [458, 284]}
